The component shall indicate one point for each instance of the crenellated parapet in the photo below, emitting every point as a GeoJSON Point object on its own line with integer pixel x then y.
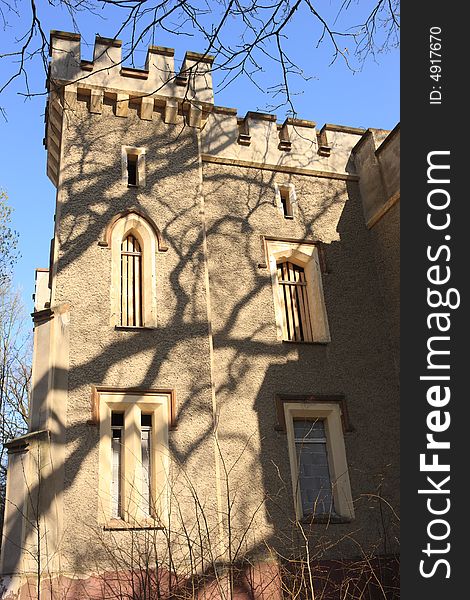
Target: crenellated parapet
{"type": "Point", "coordinates": [156, 89]}
{"type": "Point", "coordinates": [295, 145]}
{"type": "Point", "coordinates": [159, 92]}
{"type": "Point", "coordinates": [159, 78]}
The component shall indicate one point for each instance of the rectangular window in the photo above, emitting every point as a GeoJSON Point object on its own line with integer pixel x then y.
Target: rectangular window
{"type": "Point", "coordinates": [312, 459]}
{"type": "Point", "coordinates": [117, 427]}
{"type": "Point", "coordinates": [146, 452]}
{"type": "Point", "coordinates": [317, 455]}
{"type": "Point", "coordinates": [133, 166]}
{"type": "Point", "coordinates": [286, 203]}
{"type": "Point", "coordinates": [285, 199]}
{"type": "Point", "coordinates": [132, 178]}
{"type": "Point", "coordinates": [134, 457]}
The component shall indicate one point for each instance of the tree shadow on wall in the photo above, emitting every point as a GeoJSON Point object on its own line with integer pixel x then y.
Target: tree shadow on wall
{"type": "Point", "coordinates": [250, 365]}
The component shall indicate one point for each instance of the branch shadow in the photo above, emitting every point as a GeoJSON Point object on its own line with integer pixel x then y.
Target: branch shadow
{"type": "Point", "coordinates": [250, 366]}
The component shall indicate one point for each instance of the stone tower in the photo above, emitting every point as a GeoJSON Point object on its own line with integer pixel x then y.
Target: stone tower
{"type": "Point", "coordinates": [215, 344]}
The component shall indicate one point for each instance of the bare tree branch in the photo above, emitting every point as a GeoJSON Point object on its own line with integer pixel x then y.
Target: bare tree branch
{"type": "Point", "coordinates": [247, 37]}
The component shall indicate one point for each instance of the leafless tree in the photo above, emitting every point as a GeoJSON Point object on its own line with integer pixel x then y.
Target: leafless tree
{"type": "Point", "coordinates": [183, 556]}
{"type": "Point", "coordinates": [15, 373]}
{"type": "Point", "coordinates": [247, 37]}
{"type": "Point", "coordinates": [14, 349]}
{"type": "Point", "coordinates": [8, 241]}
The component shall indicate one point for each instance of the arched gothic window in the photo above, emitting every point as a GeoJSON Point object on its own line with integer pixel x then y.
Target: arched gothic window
{"type": "Point", "coordinates": [298, 292]}
{"type": "Point", "coordinates": [134, 242]}
{"type": "Point", "coordinates": [131, 282]}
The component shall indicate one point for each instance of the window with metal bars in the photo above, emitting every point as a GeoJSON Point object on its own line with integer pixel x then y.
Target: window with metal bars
{"type": "Point", "coordinates": [131, 282]}
{"type": "Point", "coordinates": [312, 459]}
{"type": "Point", "coordinates": [295, 302]}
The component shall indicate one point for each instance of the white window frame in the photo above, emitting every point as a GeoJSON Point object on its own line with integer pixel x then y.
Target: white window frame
{"type": "Point", "coordinates": [133, 404]}
{"type": "Point", "coordinates": [136, 225]}
{"type": "Point", "coordinates": [140, 174]}
{"type": "Point", "coordinates": [336, 451]}
{"type": "Point", "coordinates": [305, 255]}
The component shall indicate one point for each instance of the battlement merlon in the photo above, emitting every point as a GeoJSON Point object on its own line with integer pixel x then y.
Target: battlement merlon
{"type": "Point", "coordinates": [292, 146]}
{"type": "Point", "coordinates": [255, 140]}
{"type": "Point", "coordinates": [106, 70]}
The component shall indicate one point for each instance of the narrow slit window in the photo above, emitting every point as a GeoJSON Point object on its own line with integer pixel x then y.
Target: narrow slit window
{"type": "Point", "coordinates": [313, 471]}
{"type": "Point", "coordinates": [117, 428]}
{"type": "Point", "coordinates": [146, 448]}
{"type": "Point", "coordinates": [131, 282]}
{"type": "Point", "coordinates": [132, 170]}
{"type": "Point", "coordinates": [295, 302]}
{"type": "Point", "coordinates": [286, 203]}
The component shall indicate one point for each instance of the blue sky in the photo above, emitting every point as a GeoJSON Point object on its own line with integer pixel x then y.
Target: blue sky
{"type": "Point", "coordinates": [368, 97]}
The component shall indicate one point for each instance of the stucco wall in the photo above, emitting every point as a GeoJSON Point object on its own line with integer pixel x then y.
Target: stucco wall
{"type": "Point", "coordinates": [253, 366]}
{"type": "Point", "coordinates": [385, 238]}
{"type": "Point", "coordinates": [175, 354]}
{"type": "Point", "coordinates": [377, 159]}
{"type": "Point", "coordinates": [388, 155]}
{"type": "Point", "coordinates": [188, 197]}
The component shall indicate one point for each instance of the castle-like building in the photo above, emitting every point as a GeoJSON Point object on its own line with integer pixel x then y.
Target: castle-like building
{"type": "Point", "coordinates": [214, 410]}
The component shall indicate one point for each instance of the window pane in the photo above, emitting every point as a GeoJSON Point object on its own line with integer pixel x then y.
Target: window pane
{"type": "Point", "coordinates": [116, 447]}
{"type": "Point", "coordinates": [117, 419]}
{"type": "Point", "coordinates": [146, 420]}
{"type": "Point", "coordinates": [131, 282]}
{"type": "Point", "coordinates": [314, 475]}
{"type": "Point", "coordinates": [309, 429]}
{"type": "Point", "coordinates": [132, 169]}
{"type": "Point", "coordinates": [146, 436]}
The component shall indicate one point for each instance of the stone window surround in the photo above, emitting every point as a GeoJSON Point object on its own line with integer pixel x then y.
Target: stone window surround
{"type": "Point", "coordinates": [305, 255]}
{"type": "Point", "coordinates": [140, 153]}
{"type": "Point", "coordinates": [160, 403]}
{"type": "Point", "coordinates": [290, 189]}
{"type": "Point", "coordinates": [337, 462]}
{"type": "Point", "coordinates": [133, 223]}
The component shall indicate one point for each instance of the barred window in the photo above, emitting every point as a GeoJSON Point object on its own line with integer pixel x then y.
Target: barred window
{"type": "Point", "coordinates": [131, 282]}
{"type": "Point", "coordinates": [295, 302]}
{"type": "Point", "coordinates": [133, 242]}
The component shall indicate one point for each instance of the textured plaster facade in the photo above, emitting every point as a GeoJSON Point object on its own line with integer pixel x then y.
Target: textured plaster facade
{"type": "Point", "coordinates": [211, 202]}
